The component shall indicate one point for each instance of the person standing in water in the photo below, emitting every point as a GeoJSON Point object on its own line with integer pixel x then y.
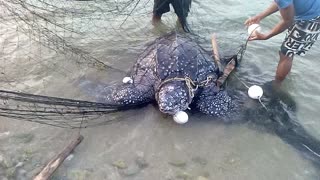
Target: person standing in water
{"type": "Point", "coordinates": [181, 8]}
{"type": "Point", "coordinates": [301, 19]}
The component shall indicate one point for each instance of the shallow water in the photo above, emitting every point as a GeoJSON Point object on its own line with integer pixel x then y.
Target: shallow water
{"type": "Point", "coordinates": [151, 145]}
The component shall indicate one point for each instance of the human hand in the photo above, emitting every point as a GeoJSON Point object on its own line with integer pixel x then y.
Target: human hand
{"type": "Point", "coordinates": [252, 20]}
{"type": "Point", "coordinates": [258, 36]}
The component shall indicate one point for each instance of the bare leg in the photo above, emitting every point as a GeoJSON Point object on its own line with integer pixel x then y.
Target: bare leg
{"type": "Point", "coordinates": [283, 69]}
{"type": "Point", "coordinates": [156, 19]}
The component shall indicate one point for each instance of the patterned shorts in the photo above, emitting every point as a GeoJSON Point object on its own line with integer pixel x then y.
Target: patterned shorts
{"type": "Point", "coordinates": [300, 37]}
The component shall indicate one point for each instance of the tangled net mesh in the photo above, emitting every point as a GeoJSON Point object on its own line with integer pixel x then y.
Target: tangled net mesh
{"type": "Point", "coordinates": [47, 46]}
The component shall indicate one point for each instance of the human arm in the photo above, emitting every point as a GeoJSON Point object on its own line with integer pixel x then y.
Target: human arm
{"type": "Point", "coordinates": [287, 15]}
{"type": "Point", "coordinates": [256, 19]}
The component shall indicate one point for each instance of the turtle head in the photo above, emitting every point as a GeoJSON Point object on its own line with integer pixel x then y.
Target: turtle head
{"type": "Point", "coordinates": [173, 97]}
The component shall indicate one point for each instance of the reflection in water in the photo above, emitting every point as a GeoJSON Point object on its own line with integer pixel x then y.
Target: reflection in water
{"type": "Point", "coordinates": [280, 118]}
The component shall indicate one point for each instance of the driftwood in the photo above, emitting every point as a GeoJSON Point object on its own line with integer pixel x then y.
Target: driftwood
{"type": "Point", "coordinates": [55, 162]}
{"type": "Point", "coordinates": [216, 54]}
{"type": "Point", "coordinates": [224, 73]}
{"type": "Point", "coordinates": [227, 70]}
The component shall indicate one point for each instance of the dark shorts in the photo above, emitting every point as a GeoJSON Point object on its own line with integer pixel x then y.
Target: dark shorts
{"type": "Point", "coordinates": [163, 6]}
{"type": "Point", "coordinates": [300, 37]}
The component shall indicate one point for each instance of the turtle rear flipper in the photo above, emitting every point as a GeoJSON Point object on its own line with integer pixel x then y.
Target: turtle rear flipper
{"type": "Point", "coordinates": [213, 102]}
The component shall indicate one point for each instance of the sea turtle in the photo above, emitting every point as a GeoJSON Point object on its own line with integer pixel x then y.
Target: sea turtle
{"type": "Point", "coordinates": [175, 72]}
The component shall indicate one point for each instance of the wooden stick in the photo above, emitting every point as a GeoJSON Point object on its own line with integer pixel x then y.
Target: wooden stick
{"type": "Point", "coordinates": [216, 52]}
{"type": "Point", "coordinates": [215, 47]}
{"type": "Point", "coordinates": [51, 167]}
{"type": "Point", "coordinates": [227, 70]}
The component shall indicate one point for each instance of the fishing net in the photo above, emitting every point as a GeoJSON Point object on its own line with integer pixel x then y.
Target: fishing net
{"type": "Point", "coordinates": [48, 47]}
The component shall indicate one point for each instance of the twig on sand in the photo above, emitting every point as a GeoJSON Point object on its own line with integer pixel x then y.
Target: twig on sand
{"type": "Point", "coordinates": [56, 161]}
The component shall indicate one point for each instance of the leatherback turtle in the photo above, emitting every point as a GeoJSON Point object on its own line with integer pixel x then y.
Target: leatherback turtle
{"type": "Point", "coordinates": [175, 72]}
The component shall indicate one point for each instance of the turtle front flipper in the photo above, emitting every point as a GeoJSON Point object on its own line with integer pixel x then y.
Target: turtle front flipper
{"type": "Point", "coordinates": [138, 91]}
{"type": "Point", "coordinates": [212, 102]}
{"type": "Point", "coordinates": [127, 95]}
{"type": "Point", "coordinates": [119, 95]}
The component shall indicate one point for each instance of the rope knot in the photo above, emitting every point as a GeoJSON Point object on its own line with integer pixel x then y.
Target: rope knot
{"type": "Point", "coordinates": [191, 85]}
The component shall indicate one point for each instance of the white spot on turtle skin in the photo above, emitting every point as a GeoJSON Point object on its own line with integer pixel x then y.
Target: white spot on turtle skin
{"type": "Point", "coordinates": [170, 88]}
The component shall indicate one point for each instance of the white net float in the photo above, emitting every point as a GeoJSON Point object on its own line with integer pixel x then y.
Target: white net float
{"type": "Point", "coordinates": [254, 27]}
{"type": "Point", "coordinates": [255, 92]}
{"type": "Point", "coordinates": [127, 80]}
{"type": "Point", "coordinates": [181, 117]}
